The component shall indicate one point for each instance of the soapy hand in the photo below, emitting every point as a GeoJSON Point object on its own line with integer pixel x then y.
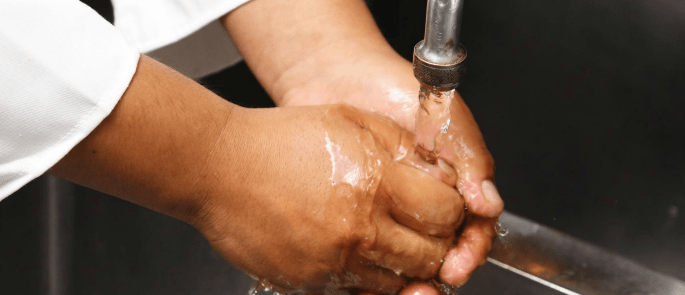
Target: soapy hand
{"type": "Point", "coordinates": [333, 197]}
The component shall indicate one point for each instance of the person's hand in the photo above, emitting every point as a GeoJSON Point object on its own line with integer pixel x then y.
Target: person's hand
{"type": "Point", "coordinates": [312, 197]}
{"type": "Point", "coordinates": [301, 197]}
{"type": "Point", "coordinates": [384, 83]}
{"type": "Point", "coordinates": [327, 52]}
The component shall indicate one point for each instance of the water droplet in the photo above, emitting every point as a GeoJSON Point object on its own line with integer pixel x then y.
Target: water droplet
{"type": "Point", "coordinates": [446, 127]}
{"type": "Point", "coordinates": [260, 286]}
{"type": "Point", "coordinates": [446, 289]}
{"type": "Point", "coordinates": [501, 230]}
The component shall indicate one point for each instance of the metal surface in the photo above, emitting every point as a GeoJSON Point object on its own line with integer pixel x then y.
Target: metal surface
{"type": "Point", "coordinates": [439, 58]}
{"type": "Point", "coordinates": [441, 37]}
{"type": "Point", "coordinates": [440, 76]}
{"type": "Point", "coordinates": [570, 266]}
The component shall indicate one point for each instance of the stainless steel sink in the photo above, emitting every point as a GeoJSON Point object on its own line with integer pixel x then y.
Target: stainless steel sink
{"type": "Point", "coordinates": [535, 259]}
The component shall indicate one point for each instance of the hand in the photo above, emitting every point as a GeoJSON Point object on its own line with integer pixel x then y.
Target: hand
{"type": "Point", "coordinates": [387, 86]}
{"type": "Point", "coordinates": [301, 197]}
{"type": "Point", "coordinates": [326, 196]}
{"type": "Point", "coordinates": [326, 52]}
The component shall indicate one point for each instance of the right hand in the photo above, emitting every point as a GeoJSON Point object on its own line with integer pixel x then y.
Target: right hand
{"type": "Point", "coordinates": [311, 197]}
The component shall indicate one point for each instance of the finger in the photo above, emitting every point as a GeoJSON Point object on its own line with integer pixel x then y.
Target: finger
{"type": "Point", "coordinates": [421, 202]}
{"type": "Point", "coordinates": [364, 275]}
{"type": "Point", "coordinates": [441, 170]}
{"type": "Point", "coordinates": [418, 288]}
{"type": "Point", "coordinates": [470, 252]}
{"type": "Point", "coordinates": [482, 198]}
{"type": "Point", "coordinates": [404, 251]}
{"type": "Point", "coordinates": [465, 150]}
{"type": "Point", "coordinates": [387, 134]}
{"type": "Point", "coordinates": [400, 143]}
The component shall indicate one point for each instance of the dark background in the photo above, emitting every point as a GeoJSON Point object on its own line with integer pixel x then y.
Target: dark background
{"type": "Point", "coordinates": [581, 104]}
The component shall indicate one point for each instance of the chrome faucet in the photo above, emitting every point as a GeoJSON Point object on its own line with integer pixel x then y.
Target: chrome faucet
{"type": "Point", "coordinates": [439, 57]}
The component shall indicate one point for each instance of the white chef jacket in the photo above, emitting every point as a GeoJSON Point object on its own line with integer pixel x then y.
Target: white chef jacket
{"type": "Point", "coordinates": [63, 68]}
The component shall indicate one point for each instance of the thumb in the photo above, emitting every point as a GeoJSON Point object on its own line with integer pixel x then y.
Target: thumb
{"type": "Point", "coordinates": [465, 150]}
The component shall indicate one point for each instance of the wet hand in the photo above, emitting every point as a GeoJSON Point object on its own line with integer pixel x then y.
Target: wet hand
{"type": "Point", "coordinates": [327, 196]}
{"type": "Point", "coordinates": [383, 82]}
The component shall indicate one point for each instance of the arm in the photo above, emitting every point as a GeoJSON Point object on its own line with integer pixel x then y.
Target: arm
{"type": "Point", "coordinates": [153, 148]}
{"type": "Point", "coordinates": [303, 197]}
{"type": "Point", "coordinates": [322, 52]}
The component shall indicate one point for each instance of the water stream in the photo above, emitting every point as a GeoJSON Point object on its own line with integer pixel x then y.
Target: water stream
{"type": "Point", "coordinates": [433, 121]}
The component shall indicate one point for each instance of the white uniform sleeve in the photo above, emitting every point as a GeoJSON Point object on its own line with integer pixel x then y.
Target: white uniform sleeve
{"type": "Point", "coordinates": [182, 34]}
{"type": "Point", "coordinates": [63, 68]}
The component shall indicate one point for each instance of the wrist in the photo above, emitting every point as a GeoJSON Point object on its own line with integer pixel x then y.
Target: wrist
{"type": "Point", "coordinates": [333, 70]}
{"type": "Point", "coordinates": [152, 147]}
{"type": "Point", "coordinates": [376, 80]}
{"type": "Point", "coordinates": [230, 175]}
{"type": "Point", "coordinates": [222, 163]}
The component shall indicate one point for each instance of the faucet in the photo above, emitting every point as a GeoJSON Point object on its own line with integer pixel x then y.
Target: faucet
{"type": "Point", "coordinates": [439, 57]}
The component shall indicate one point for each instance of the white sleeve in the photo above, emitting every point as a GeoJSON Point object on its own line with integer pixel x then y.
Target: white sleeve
{"type": "Point", "coordinates": [151, 24]}
{"type": "Point", "coordinates": [62, 70]}
{"type": "Point", "coordinates": [183, 34]}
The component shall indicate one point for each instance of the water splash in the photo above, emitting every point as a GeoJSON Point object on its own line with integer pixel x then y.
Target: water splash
{"type": "Point", "coordinates": [501, 230]}
{"type": "Point", "coordinates": [261, 286]}
{"type": "Point", "coordinates": [446, 289]}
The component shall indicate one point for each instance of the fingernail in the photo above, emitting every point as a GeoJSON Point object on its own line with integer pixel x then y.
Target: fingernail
{"type": "Point", "coordinates": [490, 193]}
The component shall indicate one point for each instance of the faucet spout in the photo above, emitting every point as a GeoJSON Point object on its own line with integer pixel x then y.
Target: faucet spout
{"type": "Point", "coordinates": [439, 58]}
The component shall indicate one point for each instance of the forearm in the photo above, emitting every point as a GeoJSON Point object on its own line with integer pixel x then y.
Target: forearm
{"type": "Point", "coordinates": [289, 44]}
{"type": "Point", "coordinates": [151, 150]}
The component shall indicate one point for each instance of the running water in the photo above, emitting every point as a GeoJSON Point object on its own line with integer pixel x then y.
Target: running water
{"type": "Point", "coordinates": [433, 121]}
{"type": "Point", "coordinates": [432, 125]}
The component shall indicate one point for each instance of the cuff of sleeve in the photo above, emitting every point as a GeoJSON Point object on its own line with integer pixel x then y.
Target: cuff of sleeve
{"type": "Point", "coordinates": [41, 162]}
{"type": "Point", "coordinates": [61, 74]}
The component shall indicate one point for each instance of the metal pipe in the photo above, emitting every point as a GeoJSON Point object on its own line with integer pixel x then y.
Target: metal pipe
{"type": "Point", "coordinates": [439, 58]}
{"type": "Point", "coordinates": [443, 25]}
